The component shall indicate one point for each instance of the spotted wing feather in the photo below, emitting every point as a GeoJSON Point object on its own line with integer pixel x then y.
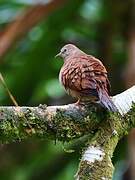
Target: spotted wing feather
{"type": "Point", "coordinates": [87, 76]}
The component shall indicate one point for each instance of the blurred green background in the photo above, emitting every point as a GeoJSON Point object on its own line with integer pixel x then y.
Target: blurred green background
{"type": "Point", "coordinates": [103, 28]}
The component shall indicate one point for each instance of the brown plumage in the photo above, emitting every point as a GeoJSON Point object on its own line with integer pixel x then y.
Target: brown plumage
{"type": "Point", "coordinates": [84, 77]}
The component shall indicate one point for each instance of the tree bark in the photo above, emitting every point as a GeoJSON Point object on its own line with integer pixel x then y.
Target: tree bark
{"type": "Point", "coordinates": [68, 122]}
{"type": "Point", "coordinates": [56, 122]}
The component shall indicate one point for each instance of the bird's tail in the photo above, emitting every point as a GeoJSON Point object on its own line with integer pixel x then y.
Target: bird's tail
{"type": "Point", "coordinates": [106, 101]}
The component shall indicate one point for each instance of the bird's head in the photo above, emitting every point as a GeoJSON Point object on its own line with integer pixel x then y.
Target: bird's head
{"type": "Point", "coordinates": [68, 51]}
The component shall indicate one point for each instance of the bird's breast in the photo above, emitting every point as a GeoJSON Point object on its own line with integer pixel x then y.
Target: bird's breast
{"type": "Point", "coordinates": [64, 74]}
{"type": "Point", "coordinates": [60, 76]}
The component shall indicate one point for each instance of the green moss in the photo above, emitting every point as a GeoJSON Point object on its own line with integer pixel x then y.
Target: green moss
{"type": "Point", "coordinates": [107, 141]}
{"type": "Point", "coordinates": [8, 131]}
{"type": "Point", "coordinates": [69, 126]}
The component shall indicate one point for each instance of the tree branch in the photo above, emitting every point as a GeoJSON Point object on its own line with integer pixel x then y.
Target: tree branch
{"type": "Point", "coordinates": [62, 122]}
{"type": "Point", "coordinates": [96, 159]}
{"type": "Point", "coordinates": [69, 122]}
{"type": "Point", "coordinates": [24, 22]}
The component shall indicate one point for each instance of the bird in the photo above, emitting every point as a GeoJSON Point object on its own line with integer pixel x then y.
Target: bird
{"type": "Point", "coordinates": [84, 77]}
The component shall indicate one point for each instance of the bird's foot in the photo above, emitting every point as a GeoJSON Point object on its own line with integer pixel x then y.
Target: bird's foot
{"type": "Point", "coordinates": [78, 103]}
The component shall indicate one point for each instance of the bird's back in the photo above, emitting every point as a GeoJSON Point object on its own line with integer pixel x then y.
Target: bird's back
{"type": "Point", "coordinates": [80, 73]}
{"type": "Point", "coordinates": [85, 77]}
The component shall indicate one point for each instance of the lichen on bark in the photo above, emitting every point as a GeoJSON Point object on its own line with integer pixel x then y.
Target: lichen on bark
{"type": "Point", "coordinates": [68, 122]}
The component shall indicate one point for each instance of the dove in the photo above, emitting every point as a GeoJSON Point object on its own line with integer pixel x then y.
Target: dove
{"type": "Point", "coordinates": [84, 77]}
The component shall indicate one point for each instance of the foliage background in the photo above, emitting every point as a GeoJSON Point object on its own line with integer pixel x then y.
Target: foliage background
{"type": "Point", "coordinates": [103, 28]}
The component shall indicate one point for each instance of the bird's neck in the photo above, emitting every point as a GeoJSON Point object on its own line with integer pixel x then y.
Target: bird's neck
{"type": "Point", "coordinates": [74, 55]}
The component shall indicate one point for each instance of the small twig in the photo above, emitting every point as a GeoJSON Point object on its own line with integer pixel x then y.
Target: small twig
{"type": "Point", "coordinates": [8, 91]}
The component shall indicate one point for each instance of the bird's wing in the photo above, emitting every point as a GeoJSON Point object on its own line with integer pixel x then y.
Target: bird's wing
{"type": "Point", "coordinates": [100, 73]}
{"type": "Point", "coordinates": [84, 75]}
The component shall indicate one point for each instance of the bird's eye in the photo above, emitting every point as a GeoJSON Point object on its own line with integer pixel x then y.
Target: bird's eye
{"type": "Point", "coordinates": [64, 50]}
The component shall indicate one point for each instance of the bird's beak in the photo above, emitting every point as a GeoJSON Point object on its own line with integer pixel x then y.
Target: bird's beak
{"type": "Point", "coordinates": [58, 55]}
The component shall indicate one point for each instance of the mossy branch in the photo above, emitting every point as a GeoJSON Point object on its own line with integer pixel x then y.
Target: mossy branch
{"type": "Point", "coordinates": [68, 122]}
{"type": "Point", "coordinates": [96, 159]}
{"type": "Point", "coordinates": [56, 122]}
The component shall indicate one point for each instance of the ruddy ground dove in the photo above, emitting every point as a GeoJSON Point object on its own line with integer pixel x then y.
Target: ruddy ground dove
{"type": "Point", "coordinates": [85, 77]}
